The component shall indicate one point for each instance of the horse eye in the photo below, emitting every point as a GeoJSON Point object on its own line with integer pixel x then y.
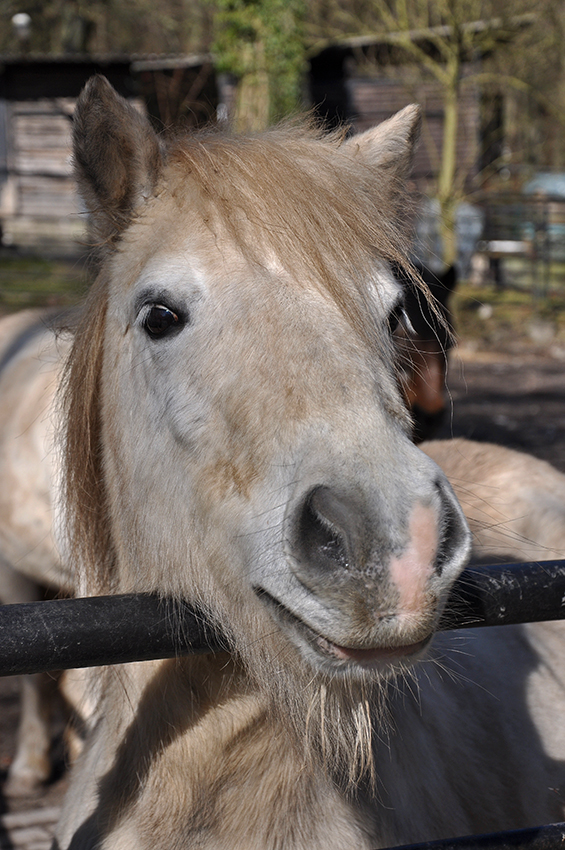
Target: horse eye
{"type": "Point", "coordinates": [396, 317]}
{"type": "Point", "coordinates": [160, 321]}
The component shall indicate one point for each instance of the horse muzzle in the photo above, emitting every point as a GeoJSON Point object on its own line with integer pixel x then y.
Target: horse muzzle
{"type": "Point", "coordinates": [363, 591]}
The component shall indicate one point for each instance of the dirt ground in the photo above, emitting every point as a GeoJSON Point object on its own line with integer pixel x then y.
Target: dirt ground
{"type": "Point", "coordinates": [517, 400]}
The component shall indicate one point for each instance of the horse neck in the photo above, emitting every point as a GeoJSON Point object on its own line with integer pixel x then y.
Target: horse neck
{"type": "Point", "coordinates": [199, 728]}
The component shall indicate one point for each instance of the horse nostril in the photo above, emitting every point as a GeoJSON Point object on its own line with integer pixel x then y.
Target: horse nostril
{"type": "Point", "coordinates": [454, 534]}
{"type": "Point", "coordinates": [321, 530]}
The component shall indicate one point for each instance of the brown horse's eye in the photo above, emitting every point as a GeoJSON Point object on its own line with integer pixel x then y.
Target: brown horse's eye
{"type": "Point", "coordinates": [160, 321]}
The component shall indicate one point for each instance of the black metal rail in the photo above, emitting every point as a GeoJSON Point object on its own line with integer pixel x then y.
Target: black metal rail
{"type": "Point", "coordinates": [42, 636]}
{"type": "Point", "coordinates": [93, 631]}
{"type": "Point", "coordinates": [89, 632]}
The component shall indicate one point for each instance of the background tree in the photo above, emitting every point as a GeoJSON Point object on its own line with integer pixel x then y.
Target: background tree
{"type": "Point", "coordinates": [448, 42]}
{"type": "Point", "coordinates": [264, 43]}
{"type": "Point", "coordinates": [261, 43]}
{"type": "Point", "coordinates": [532, 77]}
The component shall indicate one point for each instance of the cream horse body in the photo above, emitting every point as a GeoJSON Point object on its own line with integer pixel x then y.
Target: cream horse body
{"type": "Point", "coordinates": [236, 438]}
{"type": "Point", "coordinates": [30, 360]}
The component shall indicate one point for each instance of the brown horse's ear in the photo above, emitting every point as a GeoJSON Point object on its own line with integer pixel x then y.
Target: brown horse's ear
{"type": "Point", "coordinates": [390, 146]}
{"type": "Point", "coordinates": [117, 158]}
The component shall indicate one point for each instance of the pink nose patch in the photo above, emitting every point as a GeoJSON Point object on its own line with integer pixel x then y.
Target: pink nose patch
{"type": "Point", "coordinates": [412, 570]}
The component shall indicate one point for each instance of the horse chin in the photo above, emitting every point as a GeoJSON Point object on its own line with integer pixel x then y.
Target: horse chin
{"type": "Point", "coordinates": [332, 658]}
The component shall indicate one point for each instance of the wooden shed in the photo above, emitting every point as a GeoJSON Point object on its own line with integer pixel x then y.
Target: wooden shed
{"type": "Point", "coordinates": [39, 206]}
{"type": "Point", "coordinates": [344, 89]}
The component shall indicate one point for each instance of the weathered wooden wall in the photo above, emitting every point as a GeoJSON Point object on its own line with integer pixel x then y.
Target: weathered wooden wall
{"type": "Point", "coordinates": [39, 206]}
{"type": "Point", "coordinates": [374, 99]}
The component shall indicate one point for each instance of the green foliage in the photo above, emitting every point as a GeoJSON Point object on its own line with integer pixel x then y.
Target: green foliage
{"type": "Point", "coordinates": [253, 37]}
{"type": "Point", "coordinates": [261, 42]}
{"type": "Point", "coordinates": [37, 282]}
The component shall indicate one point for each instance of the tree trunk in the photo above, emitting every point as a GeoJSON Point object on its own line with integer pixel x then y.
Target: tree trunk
{"type": "Point", "coordinates": [252, 106]}
{"type": "Point", "coordinates": [447, 191]}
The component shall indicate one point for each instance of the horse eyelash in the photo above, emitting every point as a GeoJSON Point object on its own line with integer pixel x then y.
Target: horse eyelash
{"type": "Point", "coordinates": [398, 317]}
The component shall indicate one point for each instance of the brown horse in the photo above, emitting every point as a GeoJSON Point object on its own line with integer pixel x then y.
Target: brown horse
{"type": "Point", "coordinates": [425, 341]}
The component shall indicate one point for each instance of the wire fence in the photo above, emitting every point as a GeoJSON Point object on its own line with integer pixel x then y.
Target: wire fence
{"type": "Point", "coordinates": [524, 242]}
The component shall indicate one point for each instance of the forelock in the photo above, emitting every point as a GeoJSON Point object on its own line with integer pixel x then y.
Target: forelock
{"type": "Point", "coordinates": [301, 198]}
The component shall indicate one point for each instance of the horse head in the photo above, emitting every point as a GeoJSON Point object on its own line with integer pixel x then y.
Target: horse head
{"type": "Point", "coordinates": [237, 436]}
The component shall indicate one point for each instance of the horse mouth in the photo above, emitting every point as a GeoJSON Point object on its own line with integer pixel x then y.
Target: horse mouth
{"type": "Point", "coordinates": [371, 658]}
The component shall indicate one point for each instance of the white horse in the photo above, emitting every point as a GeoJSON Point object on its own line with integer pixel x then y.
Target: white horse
{"type": "Point", "coordinates": [515, 505]}
{"type": "Point", "coordinates": [30, 363]}
{"type": "Point", "coordinates": [236, 438]}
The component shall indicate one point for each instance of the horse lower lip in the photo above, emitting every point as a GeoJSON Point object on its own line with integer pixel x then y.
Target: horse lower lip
{"type": "Point", "coordinates": [372, 656]}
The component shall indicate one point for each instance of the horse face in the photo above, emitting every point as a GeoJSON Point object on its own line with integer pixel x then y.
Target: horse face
{"type": "Point", "coordinates": [255, 446]}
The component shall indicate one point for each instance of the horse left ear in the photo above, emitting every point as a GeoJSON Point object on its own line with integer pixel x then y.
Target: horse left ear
{"type": "Point", "coordinates": [390, 146]}
{"type": "Point", "coordinates": [117, 157]}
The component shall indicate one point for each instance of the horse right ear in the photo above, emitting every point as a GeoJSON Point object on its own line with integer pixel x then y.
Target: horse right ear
{"type": "Point", "coordinates": [389, 147]}
{"type": "Point", "coordinates": [117, 158]}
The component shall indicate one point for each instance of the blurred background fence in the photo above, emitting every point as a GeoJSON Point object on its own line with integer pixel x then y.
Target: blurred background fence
{"type": "Point", "coordinates": [524, 241]}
